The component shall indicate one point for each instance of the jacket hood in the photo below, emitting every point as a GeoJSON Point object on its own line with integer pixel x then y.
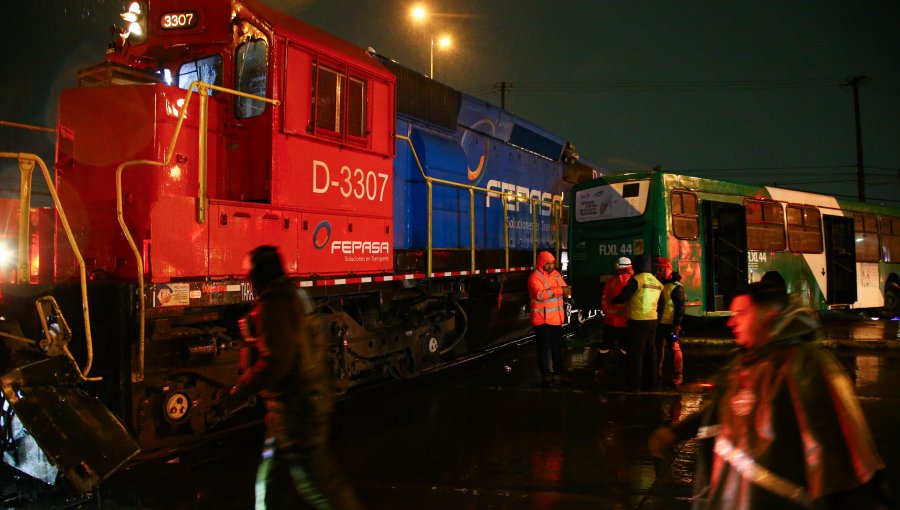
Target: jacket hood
{"type": "Point", "coordinates": [643, 264]}
{"type": "Point", "coordinates": [266, 266]}
{"type": "Point", "coordinates": [795, 325]}
{"type": "Point", "coordinates": [544, 257]}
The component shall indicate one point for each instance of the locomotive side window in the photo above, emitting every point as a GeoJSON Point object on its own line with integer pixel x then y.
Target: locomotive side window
{"type": "Point", "coordinates": [356, 107]}
{"type": "Point", "coordinates": [804, 229]}
{"type": "Point", "coordinates": [250, 77]}
{"type": "Point", "coordinates": [339, 102]}
{"type": "Point", "coordinates": [207, 70]}
{"type": "Point", "coordinates": [327, 95]}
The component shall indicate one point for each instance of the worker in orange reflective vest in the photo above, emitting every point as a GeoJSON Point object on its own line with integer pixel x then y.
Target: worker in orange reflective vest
{"type": "Point", "coordinates": [615, 320]}
{"type": "Point", "coordinates": [547, 291]}
{"type": "Point", "coordinates": [641, 295]}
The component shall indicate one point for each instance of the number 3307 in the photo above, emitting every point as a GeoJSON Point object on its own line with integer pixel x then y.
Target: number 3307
{"type": "Point", "coordinates": [174, 20]}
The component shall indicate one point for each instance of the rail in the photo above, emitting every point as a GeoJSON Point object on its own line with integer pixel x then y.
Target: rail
{"type": "Point", "coordinates": [555, 208]}
{"type": "Point", "coordinates": [26, 168]}
{"type": "Point", "coordinates": [203, 89]}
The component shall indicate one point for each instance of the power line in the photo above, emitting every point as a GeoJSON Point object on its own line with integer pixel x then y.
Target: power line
{"type": "Point", "coordinates": [830, 181]}
{"type": "Point", "coordinates": [679, 85]}
{"type": "Point", "coordinates": [853, 197]}
{"type": "Point", "coordinates": [746, 169]}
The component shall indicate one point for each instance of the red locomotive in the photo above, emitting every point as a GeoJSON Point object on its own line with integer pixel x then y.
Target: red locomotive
{"type": "Point", "coordinates": [410, 211]}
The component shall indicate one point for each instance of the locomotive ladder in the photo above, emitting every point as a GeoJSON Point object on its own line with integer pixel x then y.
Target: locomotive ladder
{"type": "Point", "coordinates": [555, 208]}
{"type": "Point", "coordinates": [55, 342]}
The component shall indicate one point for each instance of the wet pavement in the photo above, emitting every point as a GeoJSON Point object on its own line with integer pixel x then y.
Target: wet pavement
{"type": "Point", "coordinates": [486, 435]}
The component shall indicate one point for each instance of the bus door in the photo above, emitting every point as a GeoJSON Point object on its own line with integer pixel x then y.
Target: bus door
{"type": "Point", "coordinates": [725, 252]}
{"type": "Point", "coordinates": [840, 260]}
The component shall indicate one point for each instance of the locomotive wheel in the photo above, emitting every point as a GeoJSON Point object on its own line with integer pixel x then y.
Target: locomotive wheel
{"type": "Point", "coordinates": [177, 406]}
{"type": "Point", "coordinates": [432, 345]}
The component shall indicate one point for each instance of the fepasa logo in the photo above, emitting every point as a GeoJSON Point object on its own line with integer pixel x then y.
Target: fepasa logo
{"type": "Point", "coordinates": [321, 235]}
{"type": "Point", "coordinates": [363, 247]}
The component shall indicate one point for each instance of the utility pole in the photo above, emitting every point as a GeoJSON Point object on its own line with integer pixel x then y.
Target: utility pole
{"type": "Point", "coordinates": [503, 86]}
{"type": "Point", "coordinates": [860, 167]}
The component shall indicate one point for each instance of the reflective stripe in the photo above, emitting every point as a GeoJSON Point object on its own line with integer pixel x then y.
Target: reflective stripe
{"type": "Point", "coordinates": [545, 307]}
{"type": "Point", "coordinates": [749, 469]}
{"type": "Point", "coordinates": [709, 431]}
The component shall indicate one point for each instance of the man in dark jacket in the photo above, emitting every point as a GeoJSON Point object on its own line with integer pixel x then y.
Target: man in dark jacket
{"type": "Point", "coordinates": [782, 427]}
{"type": "Point", "coordinates": [291, 374]}
{"type": "Point", "coordinates": [671, 312]}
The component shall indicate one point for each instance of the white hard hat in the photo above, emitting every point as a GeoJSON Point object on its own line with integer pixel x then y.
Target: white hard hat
{"type": "Point", "coordinates": [623, 262]}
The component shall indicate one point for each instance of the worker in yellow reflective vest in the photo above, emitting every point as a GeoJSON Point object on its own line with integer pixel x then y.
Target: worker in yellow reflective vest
{"type": "Point", "coordinates": [641, 296]}
{"type": "Point", "coordinates": [548, 291]}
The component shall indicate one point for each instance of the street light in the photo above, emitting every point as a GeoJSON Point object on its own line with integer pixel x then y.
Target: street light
{"type": "Point", "coordinates": [420, 14]}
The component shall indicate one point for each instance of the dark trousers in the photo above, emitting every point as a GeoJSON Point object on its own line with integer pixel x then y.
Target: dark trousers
{"type": "Point", "coordinates": [297, 463]}
{"type": "Point", "coordinates": [641, 348]}
{"type": "Point", "coordinates": [549, 340]}
{"type": "Point", "coordinates": [667, 353]}
{"type": "Point", "coordinates": [614, 337]}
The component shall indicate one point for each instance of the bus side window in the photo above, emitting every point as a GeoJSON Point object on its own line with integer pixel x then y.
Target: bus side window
{"type": "Point", "coordinates": [765, 226]}
{"type": "Point", "coordinates": [684, 215]}
{"type": "Point", "coordinates": [804, 229]}
{"type": "Point", "coordinates": [890, 230]}
{"type": "Point", "coordinates": [866, 228]}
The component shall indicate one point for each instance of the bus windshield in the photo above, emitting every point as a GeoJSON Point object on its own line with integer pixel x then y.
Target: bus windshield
{"type": "Point", "coordinates": [611, 201]}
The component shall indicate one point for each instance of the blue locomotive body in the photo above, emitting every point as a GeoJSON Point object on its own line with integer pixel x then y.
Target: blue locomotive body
{"type": "Point", "coordinates": [491, 160]}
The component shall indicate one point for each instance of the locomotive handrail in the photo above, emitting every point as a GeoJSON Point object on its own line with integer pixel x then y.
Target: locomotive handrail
{"type": "Point", "coordinates": [203, 89]}
{"type": "Point", "coordinates": [471, 187]}
{"type": "Point", "coordinates": [26, 167]}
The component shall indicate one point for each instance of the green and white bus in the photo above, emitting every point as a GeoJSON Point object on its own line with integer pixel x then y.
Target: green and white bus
{"type": "Point", "coordinates": [720, 235]}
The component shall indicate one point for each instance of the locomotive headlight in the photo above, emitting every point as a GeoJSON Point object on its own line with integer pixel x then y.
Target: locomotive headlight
{"type": "Point", "coordinates": [133, 14]}
{"type": "Point", "coordinates": [7, 255]}
{"type": "Point", "coordinates": [135, 23]}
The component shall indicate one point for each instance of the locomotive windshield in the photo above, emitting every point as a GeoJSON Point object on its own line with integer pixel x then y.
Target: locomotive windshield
{"type": "Point", "coordinates": [612, 201]}
{"type": "Point", "coordinates": [207, 70]}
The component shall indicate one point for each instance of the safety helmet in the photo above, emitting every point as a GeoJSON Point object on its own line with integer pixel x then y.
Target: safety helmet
{"type": "Point", "coordinates": [623, 262]}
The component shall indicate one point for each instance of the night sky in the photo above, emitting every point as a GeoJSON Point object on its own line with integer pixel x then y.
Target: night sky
{"type": "Point", "coordinates": [741, 90]}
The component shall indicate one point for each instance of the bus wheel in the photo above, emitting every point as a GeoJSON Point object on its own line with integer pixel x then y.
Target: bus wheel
{"type": "Point", "coordinates": [892, 299]}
